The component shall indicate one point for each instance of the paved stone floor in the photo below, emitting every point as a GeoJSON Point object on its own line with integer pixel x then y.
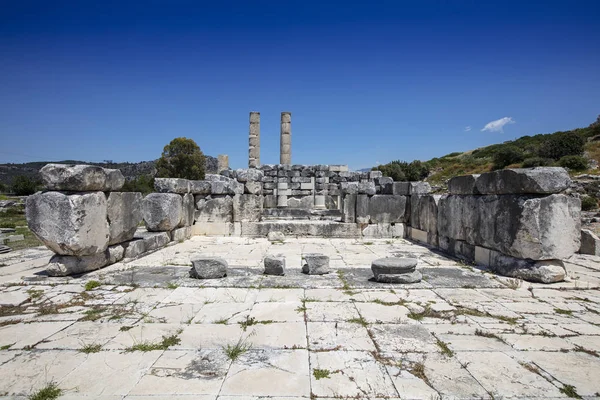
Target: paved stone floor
{"type": "Point", "coordinates": [148, 331]}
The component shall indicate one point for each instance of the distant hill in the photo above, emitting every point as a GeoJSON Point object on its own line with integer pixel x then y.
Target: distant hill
{"type": "Point", "coordinates": [130, 170]}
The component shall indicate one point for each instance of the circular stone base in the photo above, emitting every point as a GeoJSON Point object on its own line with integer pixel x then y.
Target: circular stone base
{"type": "Point", "coordinates": [412, 277]}
{"type": "Point", "coordinates": [393, 266]}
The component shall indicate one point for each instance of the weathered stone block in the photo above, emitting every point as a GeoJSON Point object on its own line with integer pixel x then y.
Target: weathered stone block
{"type": "Point", "coordinates": [275, 265]}
{"type": "Point", "coordinates": [181, 234]}
{"type": "Point", "coordinates": [134, 248]}
{"type": "Point", "coordinates": [542, 180]}
{"type": "Point", "coordinates": [227, 187]}
{"type": "Point", "coordinates": [124, 215]}
{"type": "Point", "coordinates": [249, 175]}
{"type": "Point", "coordinates": [81, 178]}
{"type": "Point", "coordinates": [384, 231]}
{"type": "Point", "coordinates": [69, 224]}
{"type": "Point", "coordinates": [590, 243]}
{"type": "Point", "coordinates": [362, 209]}
{"type": "Point", "coordinates": [424, 212]}
{"type": "Point", "coordinates": [208, 268]}
{"type": "Point", "coordinates": [533, 227]}
{"type": "Point", "coordinates": [270, 201]}
{"type": "Point", "coordinates": [60, 265]}
{"type": "Point", "coordinates": [315, 264]}
{"type": "Point", "coordinates": [388, 208]}
{"type": "Point", "coordinates": [253, 188]}
{"type": "Point", "coordinates": [188, 208]}
{"type": "Point", "coordinates": [247, 207]}
{"type": "Point", "coordinates": [375, 174]}
{"type": "Point", "coordinates": [419, 188]}
{"type": "Point", "coordinates": [349, 187]}
{"type": "Point", "coordinates": [545, 271]}
{"type": "Point", "coordinates": [367, 188]}
{"type": "Point", "coordinates": [214, 209]}
{"type": "Point", "coordinates": [162, 211]}
{"type": "Point", "coordinates": [171, 185]}
{"type": "Point", "coordinates": [213, 229]}
{"type": "Point", "coordinates": [393, 265]}
{"type": "Point", "coordinates": [154, 240]}
{"type": "Point", "coordinates": [396, 188]}
{"type": "Point", "coordinates": [410, 277]}
{"type": "Point", "coordinates": [464, 184]}
{"type": "Point", "coordinates": [349, 208]}
{"type": "Point", "coordinates": [200, 187]}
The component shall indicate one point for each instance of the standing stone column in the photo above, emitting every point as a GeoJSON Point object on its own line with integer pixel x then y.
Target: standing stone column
{"type": "Point", "coordinates": [285, 149]}
{"type": "Point", "coordinates": [223, 162]}
{"type": "Point", "coordinates": [254, 140]}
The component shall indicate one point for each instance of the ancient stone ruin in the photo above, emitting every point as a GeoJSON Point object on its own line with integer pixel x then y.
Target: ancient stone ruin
{"type": "Point", "coordinates": [514, 222]}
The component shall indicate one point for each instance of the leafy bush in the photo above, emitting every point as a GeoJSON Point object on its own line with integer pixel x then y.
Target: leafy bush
{"type": "Point", "coordinates": [562, 144]}
{"type": "Point", "coordinates": [537, 162]}
{"type": "Point", "coordinates": [2, 187]}
{"type": "Point", "coordinates": [24, 186]}
{"type": "Point", "coordinates": [575, 163]}
{"type": "Point", "coordinates": [181, 158]}
{"type": "Point", "coordinates": [507, 156]}
{"type": "Point", "coordinates": [588, 203]}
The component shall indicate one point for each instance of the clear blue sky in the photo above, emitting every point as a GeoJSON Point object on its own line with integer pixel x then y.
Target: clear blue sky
{"type": "Point", "coordinates": [366, 83]}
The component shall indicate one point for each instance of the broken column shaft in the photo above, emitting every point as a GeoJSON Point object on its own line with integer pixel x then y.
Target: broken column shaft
{"type": "Point", "coordinates": [254, 140]}
{"type": "Point", "coordinates": [285, 150]}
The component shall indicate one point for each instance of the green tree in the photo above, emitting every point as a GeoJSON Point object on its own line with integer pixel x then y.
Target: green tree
{"type": "Point", "coordinates": [574, 163]}
{"type": "Point", "coordinates": [182, 158]}
{"type": "Point", "coordinates": [24, 186]}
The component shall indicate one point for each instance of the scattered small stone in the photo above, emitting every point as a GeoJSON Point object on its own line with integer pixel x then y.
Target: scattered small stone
{"type": "Point", "coordinates": [275, 265]}
{"type": "Point", "coordinates": [275, 236]}
{"type": "Point", "coordinates": [208, 268]}
{"type": "Point", "coordinates": [315, 264]}
{"type": "Point", "coordinates": [4, 249]}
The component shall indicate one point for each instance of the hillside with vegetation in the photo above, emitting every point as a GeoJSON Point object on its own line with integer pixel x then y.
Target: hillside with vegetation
{"type": "Point", "coordinates": [577, 150]}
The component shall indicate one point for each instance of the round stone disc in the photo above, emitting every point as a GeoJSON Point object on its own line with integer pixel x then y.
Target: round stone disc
{"type": "Point", "coordinates": [393, 265]}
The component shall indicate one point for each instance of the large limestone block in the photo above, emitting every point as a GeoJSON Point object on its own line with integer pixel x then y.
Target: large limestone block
{"type": "Point", "coordinates": [367, 187]}
{"type": "Point", "coordinates": [590, 243]}
{"type": "Point", "coordinates": [253, 188]}
{"type": "Point", "coordinates": [172, 185]}
{"type": "Point", "coordinates": [384, 231]}
{"type": "Point", "coordinates": [349, 208]}
{"type": "Point", "coordinates": [74, 225]}
{"type": "Point", "coordinates": [154, 240]}
{"type": "Point", "coordinates": [542, 180]}
{"type": "Point", "coordinates": [162, 211]}
{"type": "Point", "coordinates": [527, 227]}
{"type": "Point", "coordinates": [274, 265]}
{"type": "Point", "coordinates": [387, 209]}
{"type": "Point", "coordinates": [397, 188]}
{"type": "Point", "coordinates": [81, 178]}
{"type": "Point", "coordinates": [424, 212]}
{"type": "Point", "coordinates": [124, 215]}
{"type": "Point", "coordinates": [249, 175]}
{"type": "Point", "coordinates": [545, 271]}
{"type": "Point", "coordinates": [315, 264]}
{"type": "Point", "coordinates": [189, 207]}
{"type": "Point", "coordinates": [214, 209]}
{"type": "Point", "coordinates": [200, 187]}
{"type": "Point", "coordinates": [60, 265]}
{"type": "Point", "coordinates": [464, 184]}
{"type": "Point", "coordinates": [419, 188]}
{"type": "Point", "coordinates": [362, 209]}
{"type": "Point", "coordinates": [247, 208]}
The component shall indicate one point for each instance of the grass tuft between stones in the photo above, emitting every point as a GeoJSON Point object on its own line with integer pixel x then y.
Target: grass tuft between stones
{"type": "Point", "coordinates": [91, 285]}
{"type": "Point", "coordinates": [164, 344]}
{"type": "Point", "coordinates": [50, 392]}
{"type": "Point", "coordinates": [235, 351]}
{"type": "Point", "coordinates": [321, 373]}
{"type": "Point", "coordinates": [569, 390]}
{"type": "Point", "coordinates": [91, 348]}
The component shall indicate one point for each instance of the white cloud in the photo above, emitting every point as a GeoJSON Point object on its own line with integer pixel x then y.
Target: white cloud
{"type": "Point", "coordinates": [498, 125]}
{"type": "Point", "coordinates": [467, 128]}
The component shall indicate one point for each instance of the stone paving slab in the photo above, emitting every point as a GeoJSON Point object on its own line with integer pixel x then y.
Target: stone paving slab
{"type": "Point", "coordinates": [149, 331]}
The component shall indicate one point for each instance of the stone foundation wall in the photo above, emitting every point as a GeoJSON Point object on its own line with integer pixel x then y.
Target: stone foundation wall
{"type": "Point", "coordinates": [516, 222]}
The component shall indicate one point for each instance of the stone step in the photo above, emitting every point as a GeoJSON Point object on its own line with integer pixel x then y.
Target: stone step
{"type": "Point", "coordinates": [272, 214]}
{"type": "Point", "coordinates": [302, 228]}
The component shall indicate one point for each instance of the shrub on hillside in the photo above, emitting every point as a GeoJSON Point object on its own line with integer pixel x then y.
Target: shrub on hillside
{"type": "Point", "coordinates": [24, 186]}
{"type": "Point", "coordinates": [575, 163]}
{"type": "Point", "coordinates": [562, 144]}
{"type": "Point", "coordinates": [507, 156]}
{"type": "Point", "coordinates": [537, 162]}
{"type": "Point", "coordinates": [403, 171]}
{"type": "Point", "coordinates": [181, 158]}
{"type": "Point", "coordinates": [588, 203]}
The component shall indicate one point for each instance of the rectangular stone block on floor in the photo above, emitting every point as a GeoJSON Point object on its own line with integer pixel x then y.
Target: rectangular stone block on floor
{"type": "Point", "coordinates": [213, 229]}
